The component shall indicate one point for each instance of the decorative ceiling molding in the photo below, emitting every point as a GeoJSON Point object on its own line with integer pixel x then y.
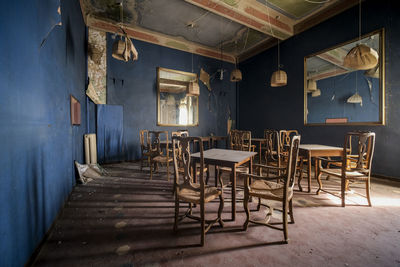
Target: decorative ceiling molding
{"type": "Point", "coordinates": [251, 14]}
{"type": "Point", "coordinates": [159, 39]}
{"type": "Point", "coordinates": [261, 23]}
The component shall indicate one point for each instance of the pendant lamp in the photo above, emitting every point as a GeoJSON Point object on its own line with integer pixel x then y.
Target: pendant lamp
{"type": "Point", "coordinates": [361, 57]}
{"type": "Point", "coordinates": [316, 93]}
{"type": "Point", "coordinates": [124, 49]}
{"type": "Point", "coordinates": [279, 77]}
{"type": "Point", "coordinates": [311, 86]}
{"type": "Point", "coordinates": [236, 75]}
{"type": "Point", "coordinates": [355, 99]}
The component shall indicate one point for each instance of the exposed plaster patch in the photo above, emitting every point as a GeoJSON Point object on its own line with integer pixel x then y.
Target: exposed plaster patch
{"type": "Point", "coordinates": [97, 66]}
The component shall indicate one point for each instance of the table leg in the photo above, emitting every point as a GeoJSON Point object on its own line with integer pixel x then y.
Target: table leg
{"type": "Point", "coordinates": [309, 172]}
{"type": "Point", "coordinates": [316, 168]}
{"type": "Point", "coordinates": [259, 155]}
{"type": "Point", "coordinates": [318, 178]}
{"type": "Point", "coordinates": [233, 192]}
{"type": "Point", "coordinates": [216, 175]}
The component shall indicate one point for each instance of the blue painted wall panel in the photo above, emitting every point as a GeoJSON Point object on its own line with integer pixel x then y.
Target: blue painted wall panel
{"type": "Point", "coordinates": [38, 144]}
{"type": "Point", "coordinates": [109, 133]}
{"type": "Point", "coordinates": [282, 107]}
{"type": "Point", "coordinates": [133, 85]}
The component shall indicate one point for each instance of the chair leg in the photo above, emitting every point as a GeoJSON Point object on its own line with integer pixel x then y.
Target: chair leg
{"type": "Point", "coordinates": [141, 164]}
{"type": "Point", "coordinates": [221, 207]}
{"type": "Point", "coordinates": [151, 172]}
{"type": "Point", "coordinates": [319, 182]}
{"type": "Point", "coordinates": [176, 213]}
{"type": "Point", "coordinates": [368, 189]}
{"type": "Point", "coordinates": [190, 208]}
{"type": "Point", "coordinates": [246, 209]}
{"type": "Point", "coordinates": [168, 171]}
{"type": "Point", "coordinates": [291, 210]}
{"type": "Point", "coordinates": [285, 221]}
{"type": "Point", "coordinates": [343, 190]}
{"type": "Point", "coordinates": [208, 173]}
{"type": "Point", "coordinates": [203, 226]}
{"type": "Point", "coordinates": [259, 204]}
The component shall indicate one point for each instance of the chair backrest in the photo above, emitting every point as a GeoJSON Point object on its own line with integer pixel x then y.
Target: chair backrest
{"type": "Point", "coordinates": [272, 146]}
{"type": "Point", "coordinates": [155, 138]}
{"type": "Point", "coordinates": [181, 133]}
{"type": "Point", "coordinates": [291, 167]}
{"type": "Point", "coordinates": [285, 137]}
{"type": "Point", "coordinates": [358, 151]}
{"type": "Point", "coordinates": [144, 140]}
{"type": "Point", "coordinates": [182, 159]}
{"type": "Point", "coordinates": [240, 140]}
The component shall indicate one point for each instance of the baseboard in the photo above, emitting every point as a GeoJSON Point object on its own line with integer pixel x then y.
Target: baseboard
{"type": "Point", "coordinates": [381, 176]}
{"type": "Point", "coordinates": [38, 248]}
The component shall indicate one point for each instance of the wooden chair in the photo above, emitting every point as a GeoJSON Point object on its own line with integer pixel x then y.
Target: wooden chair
{"type": "Point", "coordinates": [146, 151]}
{"type": "Point", "coordinates": [193, 193]}
{"type": "Point", "coordinates": [238, 140]}
{"type": "Point", "coordinates": [267, 188]}
{"type": "Point", "coordinates": [353, 167]}
{"type": "Point", "coordinates": [185, 133]}
{"type": "Point", "coordinates": [285, 137]}
{"type": "Point", "coordinates": [272, 155]}
{"type": "Point", "coordinates": [160, 156]}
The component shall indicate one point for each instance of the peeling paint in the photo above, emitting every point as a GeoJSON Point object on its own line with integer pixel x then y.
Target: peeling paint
{"type": "Point", "coordinates": [97, 66]}
{"type": "Point", "coordinates": [177, 45]}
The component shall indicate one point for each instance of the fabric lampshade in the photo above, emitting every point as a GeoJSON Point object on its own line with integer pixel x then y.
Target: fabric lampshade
{"type": "Point", "coordinates": [278, 78]}
{"type": "Point", "coordinates": [236, 75]}
{"type": "Point", "coordinates": [361, 57]}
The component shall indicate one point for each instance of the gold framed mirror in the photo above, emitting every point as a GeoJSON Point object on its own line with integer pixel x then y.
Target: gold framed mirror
{"type": "Point", "coordinates": [339, 95]}
{"type": "Point", "coordinates": [177, 98]}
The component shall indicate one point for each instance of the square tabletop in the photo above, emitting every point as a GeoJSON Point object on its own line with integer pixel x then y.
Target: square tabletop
{"type": "Point", "coordinates": [227, 155]}
{"type": "Point", "coordinates": [318, 147]}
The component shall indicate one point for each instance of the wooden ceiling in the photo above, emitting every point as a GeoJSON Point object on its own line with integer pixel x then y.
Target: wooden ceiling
{"type": "Point", "coordinates": [231, 30]}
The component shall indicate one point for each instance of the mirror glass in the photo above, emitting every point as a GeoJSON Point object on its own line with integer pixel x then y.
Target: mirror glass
{"type": "Point", "coordinates": [335, 94]}
{"type": "Point", "coordinates": [175, 106]}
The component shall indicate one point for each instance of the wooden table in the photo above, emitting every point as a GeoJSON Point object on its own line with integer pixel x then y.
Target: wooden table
{"type": "Point", "coordinates": [215, 139]}
{"type": "Point", "coordinates": [205, 139]}
{"type": "Point", "coordinates": [309, 151]}
{"type": "Point", "coordinates": [226, 158]}
{"type": "Point", "coordinates": [260, 141]}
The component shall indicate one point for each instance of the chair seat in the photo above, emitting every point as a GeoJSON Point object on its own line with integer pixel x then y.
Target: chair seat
{"type": "Point", "coordinates": [162, 159]}
{"type": "Point", "coordinates": [192, 194]}
{"type": "Point", "coordinates": [349, 174]}
{"type": "Point", "coordinates": [240, 169]}
{"type": "Point", "coordinates": [268, 190]}
{"type": "Point", "coordinates": [150, 153]}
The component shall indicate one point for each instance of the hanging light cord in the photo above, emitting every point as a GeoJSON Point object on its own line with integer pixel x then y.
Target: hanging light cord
{"type": "Point", "coordinates": [279, 57]}
{"type": "Point", "coordinates": [359, 22]}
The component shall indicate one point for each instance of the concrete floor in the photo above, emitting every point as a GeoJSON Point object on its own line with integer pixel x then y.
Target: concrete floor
{"type": "Point", "coordinates": [126, 220]}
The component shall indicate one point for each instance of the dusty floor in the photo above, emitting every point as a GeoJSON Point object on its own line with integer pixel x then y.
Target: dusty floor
{"type": "Point", "coordinates": [126, 220]}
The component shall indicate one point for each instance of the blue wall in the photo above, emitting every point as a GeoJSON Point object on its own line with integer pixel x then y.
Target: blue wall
{"type": "Point", "coordinates": [133, 85]}
{"type": "Point", "coordinates": [38, 144]}
{"type": "Point", "coordinates": [282, 107]}
{"type": "Point", "coordinates": [332, 103]}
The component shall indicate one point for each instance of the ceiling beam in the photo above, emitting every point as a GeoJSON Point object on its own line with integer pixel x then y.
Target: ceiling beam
{"type": "Point", "coordinates": [252, 14]}
{"type": "Point", "coordinates": [160, 39]}
{"type": "Point", "coordinates": [327, 73]}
